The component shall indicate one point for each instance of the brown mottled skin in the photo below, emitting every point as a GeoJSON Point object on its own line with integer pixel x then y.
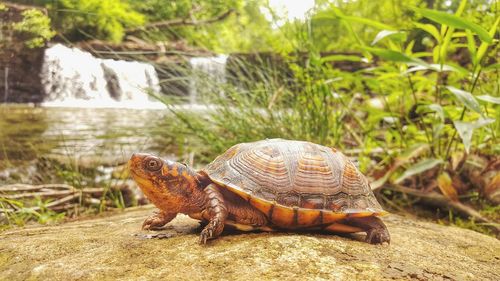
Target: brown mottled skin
{"type": "Point", "coordinates": [175, 188]}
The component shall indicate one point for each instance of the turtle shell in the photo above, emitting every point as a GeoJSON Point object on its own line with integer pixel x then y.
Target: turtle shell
{"type": "Point", "coordinates": [295, 183]}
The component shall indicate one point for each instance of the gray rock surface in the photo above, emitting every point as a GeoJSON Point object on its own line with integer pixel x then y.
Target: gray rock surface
{"type": "Point", "coordinates": [112, 247]}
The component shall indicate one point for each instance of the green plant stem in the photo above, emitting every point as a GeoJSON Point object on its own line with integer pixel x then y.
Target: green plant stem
{"type": "Point", "coordinates": [454, 134]}
{"type": "Point", "coordinates": [412, 88]}
{"type": "Point", "coordinates": [398, 124]}
{"type": "Point", "coordinates": [420, 120]}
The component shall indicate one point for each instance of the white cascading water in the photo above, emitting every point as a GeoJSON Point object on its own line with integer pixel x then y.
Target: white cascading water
{"type": "Point", "coordinates": [74, 78]}
{"type": "Point", "coordinates": [208, 74]}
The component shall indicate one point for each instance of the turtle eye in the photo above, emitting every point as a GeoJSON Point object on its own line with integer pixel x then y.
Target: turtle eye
{"type": "Point", "coordinates": [153, 164]}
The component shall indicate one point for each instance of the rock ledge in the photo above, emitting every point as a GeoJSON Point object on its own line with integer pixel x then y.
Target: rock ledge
{"type": "Point", "coordinates": [111, 248]}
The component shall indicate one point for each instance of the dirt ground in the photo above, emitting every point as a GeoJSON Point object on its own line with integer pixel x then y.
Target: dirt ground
{"type": "Point", "coordinates": [113, 247]}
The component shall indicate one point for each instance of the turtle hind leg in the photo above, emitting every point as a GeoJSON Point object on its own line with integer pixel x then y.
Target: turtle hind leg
{"type": "Point", "coordinates": [376, 231]}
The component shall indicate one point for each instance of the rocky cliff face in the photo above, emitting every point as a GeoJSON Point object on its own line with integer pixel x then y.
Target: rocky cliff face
{"type": "Point", "coordinates": [114, 248]}
{"type": "Point", "coordinates": [19, 65]}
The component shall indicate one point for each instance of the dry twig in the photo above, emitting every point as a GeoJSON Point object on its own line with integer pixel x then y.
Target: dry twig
{"type": "Point", "coordinates": [437, 200]}
{"type": "Point", "coordinates": [183, 22]}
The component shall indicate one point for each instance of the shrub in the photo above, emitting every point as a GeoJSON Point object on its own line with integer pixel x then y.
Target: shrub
{"type": "Point", "coordinates": [35, 27]}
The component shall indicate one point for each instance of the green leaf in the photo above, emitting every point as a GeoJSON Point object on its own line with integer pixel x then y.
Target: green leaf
{"type": "Point", "coordinates": [471, 45]}
{"type": "Point", "coordinates": [455, 21]}
{"type": "Point", "coordinates": [395, 56]}
{"type": "Point", "coordinates": [386, 33]}
{"type": "Point", "coordinates": [340, 58]}
{"type": "Point", "coordinates": [366, 21]}
{"type": "Point", "coordinates": [435, 54]}
{"type": "Point", "coordinates": [484, 45]}
{"type": "Point", "coordinates": [431, 29]}
{"type": "Point", "coordinates": [336, 13]}
{"type": "Point", "coordinates": [466, 98]}
{"type": "Point", "coordinates": [412, 152]}
{"type": "Point", "coordinates": [418, 168]}
{"type": "Point", "coordinates": [466, 129]}
{"type": "Point", "coordinates": [389, 55]}
{"type": "Point", "coordinates": [439, 68]}
{"type": "Point", "coordinates": [436, 130]}
{"type": "Point", "coordinates": [460, 34]}
{"type": "Point", "coordinates": [324, 19]}
{"type": "Point", "coordinates": [488, 98]}
{"type": "Point", "coordinates": [493, 66]}
{"type": "Point", "coordinates": [409, 47]}
{"type": "Point", "coordinates": [481, 122]}
{"type": "Point", "coordinates": [438, 109]}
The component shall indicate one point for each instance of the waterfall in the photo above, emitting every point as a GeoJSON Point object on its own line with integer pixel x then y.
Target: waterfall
{"type": "Point", "coordinates": [74, 78]}
{"type": "Point", "coordinates": [208, 74]}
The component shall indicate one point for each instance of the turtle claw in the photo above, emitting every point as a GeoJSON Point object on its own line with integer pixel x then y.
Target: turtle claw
{"type": "Point", "coordinates": [206, 234]}
{"type": "Point", "coordinates": [152, 223]}
{"type": "Point", "coordinates": [211, 231]}
{"type": "Point", "coordinates": [156, 221]}
{"type": "Point", "coordinates": [204, 237]}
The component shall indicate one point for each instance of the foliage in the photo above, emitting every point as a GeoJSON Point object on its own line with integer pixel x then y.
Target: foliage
{"type": "Point", "coordinates": [36, 26]}
{"type": "Point", "coordinates": [420, 103]}
{"type": "Point", "coordinates": [431, 92]}
{"type": "Point", "coordinates": [425, 110]}
{"type": "Point", "coordinates": [243, 30]}
{"type": "Point", "coordinates": [246, 28]}
{"type": "Point", "coordinates": [100, 19]}
{"type": "Point", "coordinates": [24, 214]}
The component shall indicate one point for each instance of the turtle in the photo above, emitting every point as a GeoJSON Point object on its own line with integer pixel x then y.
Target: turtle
{"type": "Point", "coordinates": [267, 185]}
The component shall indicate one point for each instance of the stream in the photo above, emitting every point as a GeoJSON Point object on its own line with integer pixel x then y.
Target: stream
{"type": "Point", "coordinates": [109, 135]}
{"type": "Point", "coordinates": [98, 111]}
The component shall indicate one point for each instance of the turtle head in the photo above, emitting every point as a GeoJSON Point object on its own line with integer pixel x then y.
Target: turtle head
{"type": "Point", "coordinates": [171, 186]}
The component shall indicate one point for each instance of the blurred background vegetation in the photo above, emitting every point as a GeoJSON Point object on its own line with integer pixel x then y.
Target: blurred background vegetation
{"type": "Point", "coordinates": [417, 107]}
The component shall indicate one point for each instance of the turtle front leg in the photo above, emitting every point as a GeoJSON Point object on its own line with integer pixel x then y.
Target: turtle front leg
{"type": "Point", "coordinates": [158, 219]}
{"type": "Point", "coordinates": [376, 231]}
{"type": "Point", "coordinates": [217, 212]}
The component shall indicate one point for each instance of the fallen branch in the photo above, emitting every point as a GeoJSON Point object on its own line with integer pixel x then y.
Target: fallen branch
{"type": "Point", "coordinates": [45, 190]}
{"type": "Point", "coordinates": [182, 22]}
{"type": "Point", "coordinates": [438, 200]}
{"type": "Point", "coordinates": [52, 205]}
{"type": "Point", "coordinates": [43, 194]}
{"type": "Point", "coordinates": [20, 7]}
{"type": "Point", "coordinates": [65, 207]}
{"type": "Point", "coordinates": [28, 187]}
{"type": "Point", "coordinates": [65, 196]}
{"type": "Point", "coordinates": [58, 202]}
